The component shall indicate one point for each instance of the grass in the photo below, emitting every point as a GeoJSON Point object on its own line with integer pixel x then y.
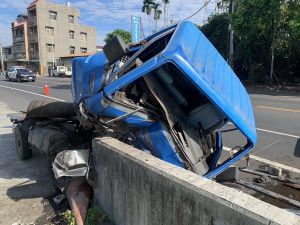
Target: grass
{"type": "Point", "coordinates": [95, 216]}
{"type": "Point", "coordinates": [71, 218]}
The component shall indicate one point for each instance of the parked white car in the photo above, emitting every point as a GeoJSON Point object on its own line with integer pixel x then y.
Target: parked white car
{"type": "Point", "coordinates": [59, 71]}
{"type": "Point", "coordinates": [62, 71]}
{"type": "Point", "coordinates": [68, 71]}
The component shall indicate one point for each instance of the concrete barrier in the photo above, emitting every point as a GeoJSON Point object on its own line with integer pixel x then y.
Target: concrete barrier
{"type": "Point", "coordinates": [135, 188]}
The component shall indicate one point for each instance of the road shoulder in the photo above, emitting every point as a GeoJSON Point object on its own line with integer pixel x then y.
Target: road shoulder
{"type": "Point", "coordinates": [23, 184]}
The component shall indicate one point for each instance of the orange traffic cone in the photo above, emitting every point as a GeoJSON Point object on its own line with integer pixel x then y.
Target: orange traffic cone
{"type": "Point", "coordinates": [46, 90]}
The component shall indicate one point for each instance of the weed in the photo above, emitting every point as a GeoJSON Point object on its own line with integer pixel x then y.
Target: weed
{"type": "Point", "coordinates": [69, 215]}
{"type": "Point", "coordinates": [95, 215]}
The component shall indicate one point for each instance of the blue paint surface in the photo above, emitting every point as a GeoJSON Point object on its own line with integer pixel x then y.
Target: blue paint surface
{"type": "Point", "coordinates": [159, 141]}
{"type": "Point", "coordinates": [87, 76]}
{"type": "Point", "coordinates": [191, 52]}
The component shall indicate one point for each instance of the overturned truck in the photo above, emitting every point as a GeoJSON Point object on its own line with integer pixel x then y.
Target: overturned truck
{"type": "Point", "coordinates": [168, 95]}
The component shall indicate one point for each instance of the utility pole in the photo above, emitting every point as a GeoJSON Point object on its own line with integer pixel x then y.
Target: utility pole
{"type": "Point", "coordinates": [167, 16]}
{"type": "Point", "coordinates": [205, 11]}
{"type": "Point", "coordinates": [231, 37]}
{"type": "Point", "coordinates": [272, 59]}
{"type": "Point", "coordinates": [52, 53]}
{"type": "Point", "coordinates": [2, 65]}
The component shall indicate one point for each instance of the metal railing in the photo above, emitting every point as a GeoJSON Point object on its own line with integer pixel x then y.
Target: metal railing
{"type": "Point", "coordinates": [34, 55]}
{"type": "Point", "coordinates": [32, 21]}
{"type": "Point", "coordinates": [19, 39]}
{"type": "Point", "coordinates": [33, 38]}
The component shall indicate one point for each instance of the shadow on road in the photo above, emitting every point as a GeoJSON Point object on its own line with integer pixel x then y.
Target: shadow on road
{"type": "Point", "coordinates": [297, 149]}
{"type": "Point", "coordinates": [266, 92]}
{"type": "Point", "coordinates": [31, 178]}
{"type": "Point", "coordinates": [62, 86]}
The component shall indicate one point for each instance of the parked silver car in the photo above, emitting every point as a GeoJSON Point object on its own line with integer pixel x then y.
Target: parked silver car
{"type": "Point", "coordinates": [20, 74]}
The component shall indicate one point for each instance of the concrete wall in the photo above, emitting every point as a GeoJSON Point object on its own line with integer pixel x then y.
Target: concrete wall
{"type": "Point", "coordinates": [135, 188]}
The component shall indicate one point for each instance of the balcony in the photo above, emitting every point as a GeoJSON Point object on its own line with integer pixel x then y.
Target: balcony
{"type": "Point", "coordinates": [7, 57]}
{"type": "Point", "coordinates": [18, 49]}
{"type": "Point", "coordinates": [32, 21]}
{"type": "Point", "coordinates": [19, 55]}
{"type": "Point", "coordinates": [34, 55]}
{"type": "Point", "coordinates": [19, 39]}
{"type": "Point", "coordinates": [33, 38]}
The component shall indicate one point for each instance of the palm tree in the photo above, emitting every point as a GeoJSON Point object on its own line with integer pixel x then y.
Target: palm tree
{"type": "Point", "coordinates": [147, 8]}
{"type": "Point", "coordinates": [165, 2]}
{"type": "Point", "coordinates": [157, 13]}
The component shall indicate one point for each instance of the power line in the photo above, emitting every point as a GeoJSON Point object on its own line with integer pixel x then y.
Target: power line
{"type": "Point", "coordinates": [197, 11]}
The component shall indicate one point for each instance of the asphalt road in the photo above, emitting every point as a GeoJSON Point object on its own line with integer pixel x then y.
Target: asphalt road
{"type": "Point", "coordinates": [18, 95]}
{"type": "Point", "coordinates": [277, 120]}
{"type": "Point", "coordinates": [277, 117]}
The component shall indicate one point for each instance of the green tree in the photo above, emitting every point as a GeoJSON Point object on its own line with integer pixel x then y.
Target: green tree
{"type": "Point", "coordinates": [216, 31]}
{"type": "Point", "coordinates": [147, 8]}
{"type": "Point", "coordinates": [287, 47]}
{"type": "Point", "coordinates": [165, 2]}
{"type": "Point", "coordinates": [157, 13]}
{"type": "Point", "coordinates": [252, 24]}
{"type": "Point", "coordinates": [126, 36]}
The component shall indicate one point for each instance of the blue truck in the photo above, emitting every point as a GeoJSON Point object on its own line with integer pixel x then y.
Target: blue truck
{"type": "Point", "coordinates": [168, 95]}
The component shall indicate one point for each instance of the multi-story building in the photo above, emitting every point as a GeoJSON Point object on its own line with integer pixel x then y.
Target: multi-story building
{"type": "Point", "coordinates": [49, 31]}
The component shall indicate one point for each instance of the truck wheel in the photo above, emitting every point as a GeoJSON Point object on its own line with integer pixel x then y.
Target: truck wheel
{"type": "Point", "coordinates": [23, 147]}
{"type": "Point", "coordinates": [43, 109]}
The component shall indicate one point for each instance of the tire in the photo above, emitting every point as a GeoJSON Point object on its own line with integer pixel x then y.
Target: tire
{"type": "Point", "coordinates": [42, 109]}
{"type": "Point", "coordinates": [22, 145]}
{"type": "Point", "coordinates": [33, 81]}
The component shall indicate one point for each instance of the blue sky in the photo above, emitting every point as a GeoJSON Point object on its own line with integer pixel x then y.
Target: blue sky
{"type": "Point", "coordinates": [107, 16]}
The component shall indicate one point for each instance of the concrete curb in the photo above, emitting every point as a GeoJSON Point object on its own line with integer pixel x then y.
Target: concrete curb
{"type": "Point", "coordinates": [134, 187]}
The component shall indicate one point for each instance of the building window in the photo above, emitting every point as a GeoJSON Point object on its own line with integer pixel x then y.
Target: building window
{"type": "Point", "coordinates": [72, 50]}
{"type": "Point", "coordinates": [34, 47]}
{"type": "Point", "coordinates": [50, 47]}
{"type": "Point", "coordinates": [33, 30]}
{"type": "Point", "coordinates": [19, 33]}
{"type": "Point", "coordinates": [83, 50]}
{"type": "Point", "coordinates": [71, 34]}
{"type": "Point", "coordinates": [49, 31]}
{"type": "Point", "coordinates": [71, 19]}
{"type": "Point", "coordinates": [53, 15]}
{"type": "Point", "coordinates": [83, 36]}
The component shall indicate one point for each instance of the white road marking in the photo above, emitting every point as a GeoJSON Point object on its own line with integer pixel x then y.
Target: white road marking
{"type": "Point", "coordinates": [273, 132]}
{"type": "Point", "coordinates": [27, 85]}
{"type": "Point", "coordinates": [285, 167]}
{"type": "Point", "coordinates": [29, 92]}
